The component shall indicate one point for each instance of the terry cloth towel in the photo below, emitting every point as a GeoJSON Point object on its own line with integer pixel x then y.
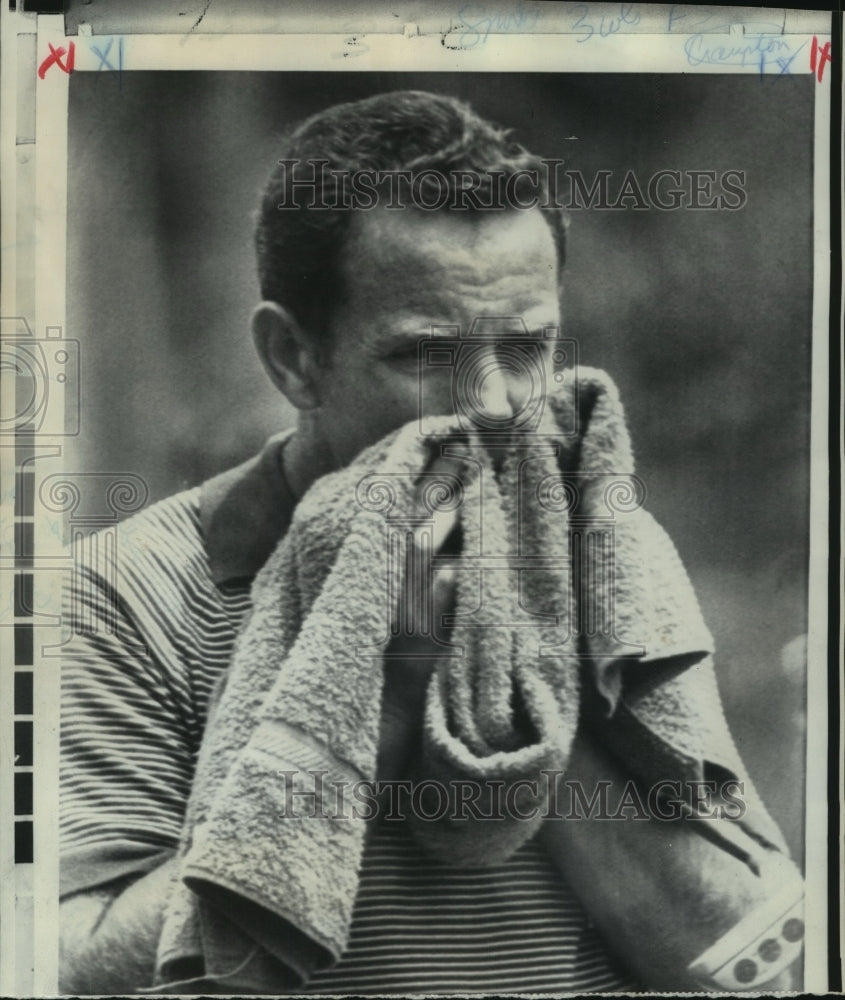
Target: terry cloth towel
{"type": "Point", "coordinates": [563, 577]}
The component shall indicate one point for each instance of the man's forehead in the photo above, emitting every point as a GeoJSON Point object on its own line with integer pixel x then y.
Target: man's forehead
{"type": "Point", "coordinates": [476, 235]}
{"type": "Point", "coordinates": [425, 260]}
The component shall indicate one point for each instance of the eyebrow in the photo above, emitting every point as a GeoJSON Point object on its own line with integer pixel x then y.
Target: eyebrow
{"type": "Point", "coordinates": [407, 334]}
{"type": "Point", "coordinates": [399, 337]}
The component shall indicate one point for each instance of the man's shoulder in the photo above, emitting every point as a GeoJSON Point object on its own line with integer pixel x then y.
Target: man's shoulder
{"type": "Point", "coordinates": [174, 517]}
{"type": "Point", "coordinates": [169, 530]}
{"type": "Point", "coordinates": [159, 543]}
{"type": "Point", "coordinates": [221, 531]}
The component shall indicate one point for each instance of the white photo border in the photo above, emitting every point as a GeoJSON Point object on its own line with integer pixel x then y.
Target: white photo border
{"type": "Point", "coordinates": [502, 53]}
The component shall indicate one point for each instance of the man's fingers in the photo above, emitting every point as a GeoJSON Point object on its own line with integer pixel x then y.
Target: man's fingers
{"type": "Point", "coordinates": [443, 581]}
{"type": "Point", "coordinates": [428, 589]}
{"type": "Point", "coordinates": [444, 522]}
{"type": "Point", "coordinates": [439, 492]}
{"type": "Point", "coordinates": [428, 595]}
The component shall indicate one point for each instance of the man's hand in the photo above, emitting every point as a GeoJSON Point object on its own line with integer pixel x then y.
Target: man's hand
{"type": "Point", "coordinates": [108, 936]}
{"type": "Point", "coordinates": [659, 891]}
{"type": "Point", "coordinates": [412, 655]}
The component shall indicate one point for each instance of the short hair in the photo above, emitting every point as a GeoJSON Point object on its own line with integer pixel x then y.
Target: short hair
{"type": "Point", "coordinates": [299, 250]}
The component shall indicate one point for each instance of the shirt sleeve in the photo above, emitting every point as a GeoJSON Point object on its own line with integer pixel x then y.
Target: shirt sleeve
{"type": "Point", "coordinates": [126, 758]}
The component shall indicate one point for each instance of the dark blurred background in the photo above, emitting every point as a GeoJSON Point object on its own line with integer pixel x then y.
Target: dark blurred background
{"type": "Point", "coordinates": [703, 318]}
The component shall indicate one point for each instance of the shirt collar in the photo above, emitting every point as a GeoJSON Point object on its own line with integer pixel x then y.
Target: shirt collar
{"type": "Point", "coordinates": [245, 511]}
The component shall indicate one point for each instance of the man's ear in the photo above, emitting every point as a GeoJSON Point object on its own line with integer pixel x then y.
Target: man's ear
{"type": "Point", "coordinates": [286, 353]}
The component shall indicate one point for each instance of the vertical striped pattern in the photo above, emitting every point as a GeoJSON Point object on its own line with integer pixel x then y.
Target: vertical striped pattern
{"type": "Point", "coordinates": [139, 667]}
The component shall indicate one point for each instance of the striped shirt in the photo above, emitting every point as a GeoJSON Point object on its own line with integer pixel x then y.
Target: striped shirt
{"type": "Point", "coordinates": [154, 610]}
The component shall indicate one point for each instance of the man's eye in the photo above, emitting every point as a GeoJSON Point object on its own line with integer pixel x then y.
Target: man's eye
{"type": "Point", "coordinates": [526, 348]}
{"type": "Point", "coordinates": [522, 349]}
{"type": "Point", "coordinates": [406, 354]}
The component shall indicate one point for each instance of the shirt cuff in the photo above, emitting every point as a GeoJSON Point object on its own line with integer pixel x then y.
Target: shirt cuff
{"type": "Point", "coordinates": [96, 865]}
{"type": "Point", "coordinates": [759, 948]}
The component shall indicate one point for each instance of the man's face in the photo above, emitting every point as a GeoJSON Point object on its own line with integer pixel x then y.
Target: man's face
{"type": "Point", "coordinates": [408, 271]}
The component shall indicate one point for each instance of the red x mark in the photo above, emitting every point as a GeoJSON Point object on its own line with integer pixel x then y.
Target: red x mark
{"type": "Point", "coordinates": [820, 55]}
{"type": "Point", "coordinates": [56, 57]}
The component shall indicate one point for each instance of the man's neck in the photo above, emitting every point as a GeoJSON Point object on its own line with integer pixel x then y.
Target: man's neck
{"type": "Point", "coordinates": [306, 457]}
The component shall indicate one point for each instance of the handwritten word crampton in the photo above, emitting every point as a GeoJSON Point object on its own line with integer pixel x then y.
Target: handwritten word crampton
{"type": "Point", "coordinates": [476, 22]}
{"type": "Point", "coordinates": [759, 51]}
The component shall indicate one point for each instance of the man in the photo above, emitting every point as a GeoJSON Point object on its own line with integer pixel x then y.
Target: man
{"type": "Point", "coordinates": [348, 296]}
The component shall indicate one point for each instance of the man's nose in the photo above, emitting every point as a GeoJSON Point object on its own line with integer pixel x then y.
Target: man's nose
{"type": "Point", "coordinates": [500, 392]}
